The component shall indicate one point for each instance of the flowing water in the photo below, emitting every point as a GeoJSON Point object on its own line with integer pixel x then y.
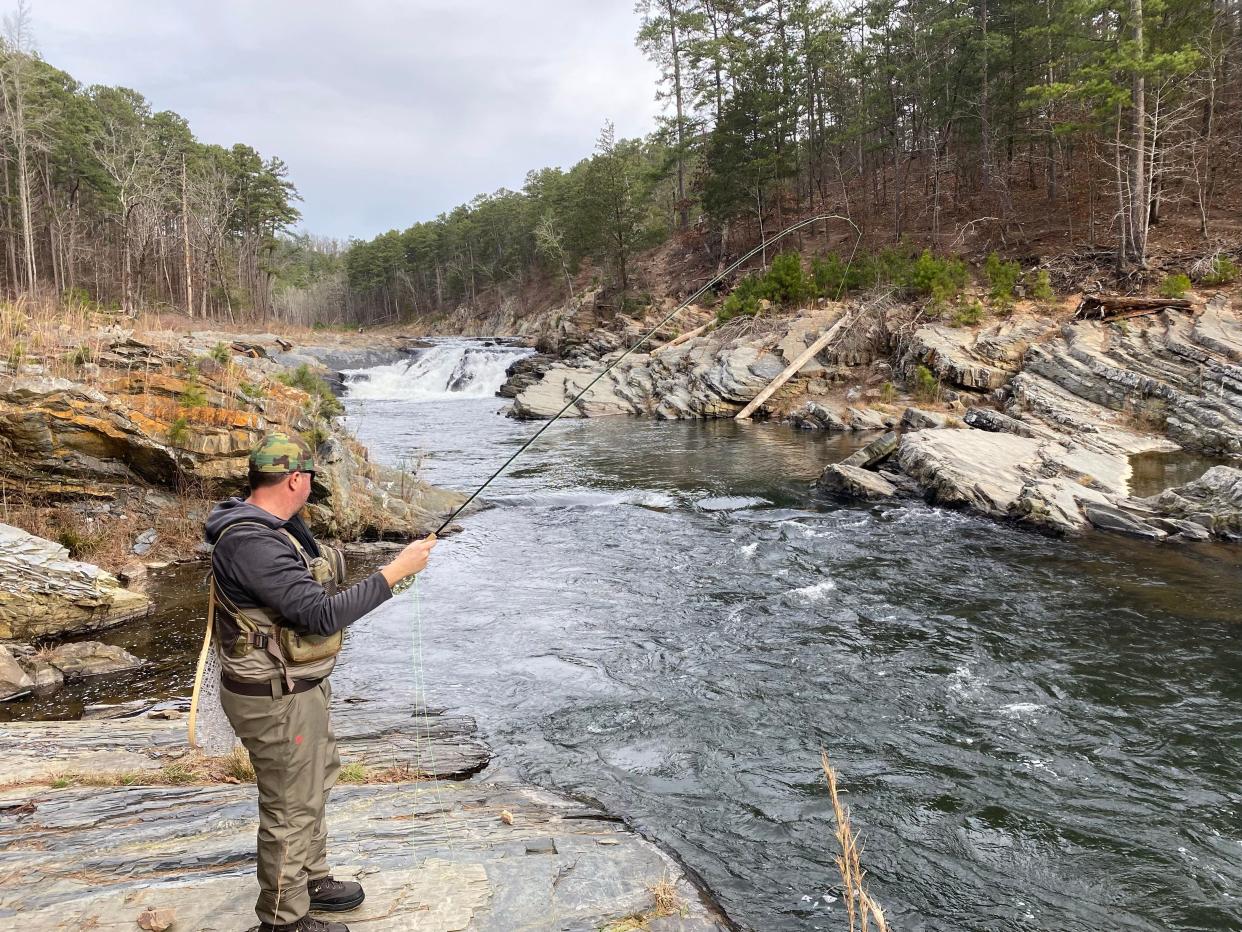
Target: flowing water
{"type": "Point", "coordinates": [1033, 733]}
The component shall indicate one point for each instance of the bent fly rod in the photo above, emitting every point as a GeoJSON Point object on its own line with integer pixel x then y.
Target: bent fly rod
{"type": "Point", "coordinates": [651, 333]}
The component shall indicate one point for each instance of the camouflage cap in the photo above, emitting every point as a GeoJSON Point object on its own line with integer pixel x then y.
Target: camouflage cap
{"type": "Point", "coordinates": [280, 453]}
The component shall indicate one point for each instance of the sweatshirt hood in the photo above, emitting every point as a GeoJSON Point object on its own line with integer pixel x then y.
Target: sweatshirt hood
{"type": "Point", "coordinates": [232, 510]}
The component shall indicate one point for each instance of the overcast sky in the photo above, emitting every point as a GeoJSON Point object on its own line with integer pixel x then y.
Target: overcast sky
{"type": "Point", "coordinates": [387, 112]}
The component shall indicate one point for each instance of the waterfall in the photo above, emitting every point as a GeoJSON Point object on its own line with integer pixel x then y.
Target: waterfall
{"type": "Point", "coordinates": [444, 372]}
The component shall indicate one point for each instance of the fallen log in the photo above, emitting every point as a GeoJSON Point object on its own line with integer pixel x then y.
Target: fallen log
{"type": "Point", "coordinates": [792, 368]}
{"type": "Point", "coordinates": [1114, 306]}
{"type": "Point", "coordinates": [682, 338]}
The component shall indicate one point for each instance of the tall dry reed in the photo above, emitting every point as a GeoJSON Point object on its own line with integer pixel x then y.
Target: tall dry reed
{"type": "Point", "coordinates": [862, 910]}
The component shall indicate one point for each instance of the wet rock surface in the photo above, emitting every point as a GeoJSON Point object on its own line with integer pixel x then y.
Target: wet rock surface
{"type": "Point", "coordinates": [83, 659]}
{"type": "Point", "coordinates": [432, 854]}
{"type": "Point", "coordinates": [856, 482]}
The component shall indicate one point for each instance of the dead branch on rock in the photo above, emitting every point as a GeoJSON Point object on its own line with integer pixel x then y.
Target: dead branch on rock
{"type": "Point", "coordinates": [1119, 307]}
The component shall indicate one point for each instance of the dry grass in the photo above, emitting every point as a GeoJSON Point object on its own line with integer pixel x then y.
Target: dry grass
{"type": "Point", "coordinates": [202, 770]}
{"type": "Point", "coordinates": [234, 767]}
{"type": "Point", "coordinates": [61, 335]}
{"type": "Point", "coordinates": [105, 539]}
{"type": "Point", "coordinates": [862, 910]}
{"type": "Point", "coordinates": [666, 901]}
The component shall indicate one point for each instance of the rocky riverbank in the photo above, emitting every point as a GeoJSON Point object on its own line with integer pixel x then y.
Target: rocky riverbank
{"type": "Point", "coordinates": [1070, 411]}
{"type": "Point", "coordinates": [101, 821]}
{"type": "Point", "coordinates": [1033, 417]}
{"type": "Point", "coordinates": [115, 451]}
{"type": "Point", "coordinates": [114, 443]}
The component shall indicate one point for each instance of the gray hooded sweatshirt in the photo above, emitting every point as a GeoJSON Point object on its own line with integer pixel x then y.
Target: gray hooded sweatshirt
{"type": "Point", "coordinates": [258, 567]}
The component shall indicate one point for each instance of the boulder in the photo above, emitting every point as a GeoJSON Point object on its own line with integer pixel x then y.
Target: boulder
{"type": "Point", "coordinates": [814, 416]}
{"type": "Point", "coordinates": [855, 482]}
{"type": "Point", "coordinates": [1007, 476]}
{"type": "Point", "coordinates": [873, 454]}
{"type": "Point", "coordinates": [43, 592]}
{"type": "Point", "coordinates": [83, 659]}
{"type": "Point", "coordinates": [14, 681]}
{"type": "Point", "coordinates": [1108, 518]}
{"type": "Point", "coordinates": [867, 419]}
{"type": "Point", "coordinates": [359, 499]}
{"type": "Point", "coordinates": [1214, 501]}
{"type": "Point", "coordinates": [919, 419]}
{"type": "Point", "coordinates": [950, 353]}
{"type": "Point", "coordinates": [995, 422]}
{"type": "Point", "coordinates": [1183, 531]}
{"type": "Point", "coordinates": [47, 679]}
{"type": "Point", "coordinates": [524, 373]}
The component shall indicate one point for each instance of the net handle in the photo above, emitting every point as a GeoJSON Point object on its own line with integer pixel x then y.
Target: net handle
{"type": "Point", "coordinates": [202, 664]}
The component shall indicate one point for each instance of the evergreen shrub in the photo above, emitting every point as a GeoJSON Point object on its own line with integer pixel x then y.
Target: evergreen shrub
{"type": "Point", "coordinates": [1175, 285]}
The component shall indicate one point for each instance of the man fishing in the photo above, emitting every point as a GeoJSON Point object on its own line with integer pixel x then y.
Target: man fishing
{"type": "Point", "coordinates": [279, 617]}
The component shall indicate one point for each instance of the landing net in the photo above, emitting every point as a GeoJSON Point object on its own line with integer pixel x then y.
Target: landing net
{"type": "Point", "coordinates": [210, 731]}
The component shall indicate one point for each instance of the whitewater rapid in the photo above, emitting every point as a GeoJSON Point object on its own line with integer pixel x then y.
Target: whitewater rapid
{"type": "Point", "coordinates": [449, 370]}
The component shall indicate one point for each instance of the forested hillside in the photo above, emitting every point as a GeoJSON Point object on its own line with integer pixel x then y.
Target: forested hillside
{"type": "Point", "coordinates": [107, 201]}
{"type": "Point", "coordinates": [1020, 125]}
{"type": "Point", "coordinates": [1024, 126]}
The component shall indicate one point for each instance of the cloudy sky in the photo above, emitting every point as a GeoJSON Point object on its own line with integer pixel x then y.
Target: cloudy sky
{"type": "Point", "coordinates": [387, 111]}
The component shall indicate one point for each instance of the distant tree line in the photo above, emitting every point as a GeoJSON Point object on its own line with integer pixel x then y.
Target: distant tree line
{"type": "Point", "coordinates": [916, 118]}
{"type": "Point", "coordinates": [605, 209]}
{"type": "Point", "coordinates": [104, 200]}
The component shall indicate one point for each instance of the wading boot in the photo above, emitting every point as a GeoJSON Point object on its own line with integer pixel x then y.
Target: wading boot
{"type": "Point", "coordinates": [334, 896]}
{"type": "Point", "coordinates": [305, 924]}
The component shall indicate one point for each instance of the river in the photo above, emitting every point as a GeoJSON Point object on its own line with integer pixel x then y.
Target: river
{"type": "Point", "coordinates": [662, 616]}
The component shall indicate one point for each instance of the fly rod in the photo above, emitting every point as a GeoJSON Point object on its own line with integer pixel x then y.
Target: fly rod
{"type": "Point", "coordinates": [651, 333]}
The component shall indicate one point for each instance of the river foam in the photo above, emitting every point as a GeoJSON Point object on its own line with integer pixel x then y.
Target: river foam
{"type": "Point", "coordinates": [446, 371]}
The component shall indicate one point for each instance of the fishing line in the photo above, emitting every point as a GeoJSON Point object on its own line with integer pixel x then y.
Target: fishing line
{"type": "Point", "coordinates": [651, 333]}
{"type": "Point", "coordinates": [424, 742]}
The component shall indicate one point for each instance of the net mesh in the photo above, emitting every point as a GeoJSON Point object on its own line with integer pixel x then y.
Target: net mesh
{"type": "Point", "coordinates": [210, 731]}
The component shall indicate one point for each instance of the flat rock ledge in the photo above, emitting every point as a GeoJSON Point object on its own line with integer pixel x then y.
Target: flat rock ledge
{"type": "Point", "coordinates": [435, 855]}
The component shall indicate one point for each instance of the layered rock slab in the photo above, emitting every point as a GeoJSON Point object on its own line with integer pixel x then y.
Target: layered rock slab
{"type": "Point", "coordinates": [712, 375]}
{"type": "Point", "coordinates": [43, 592]}
{"type": "Point", "coordinates": [435, 744]}
{"type": "Point", "coordinates": [435, 855]}
{"type": "Point", "coordinates": [1008, 476]}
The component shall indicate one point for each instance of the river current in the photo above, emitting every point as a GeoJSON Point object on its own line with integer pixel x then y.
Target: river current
{"type": "Point", "coordinates": [1033, 733]}
{"type": "Point", "coordinates": [663, 616]}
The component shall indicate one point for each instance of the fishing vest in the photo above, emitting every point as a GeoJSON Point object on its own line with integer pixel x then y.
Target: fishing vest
{"type": "Point", "coordinates": [255, 645]}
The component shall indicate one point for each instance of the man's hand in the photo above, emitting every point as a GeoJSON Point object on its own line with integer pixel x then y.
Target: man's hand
{"type": "Point", "coordinates": [411, 560]}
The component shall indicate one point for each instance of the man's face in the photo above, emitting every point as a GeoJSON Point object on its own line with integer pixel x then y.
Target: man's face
{"type": "Point", "coordinates": [301, 482]}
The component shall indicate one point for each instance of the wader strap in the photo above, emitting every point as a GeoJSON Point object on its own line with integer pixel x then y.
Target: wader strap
{"type": "Point", "coordinates": [256, 639]}
{"type": "Point", "coordinates": [264, 642]}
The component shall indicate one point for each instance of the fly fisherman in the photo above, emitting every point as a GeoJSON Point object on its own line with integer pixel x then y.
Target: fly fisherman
{"type": "Point", "coordinates": [279, 623]}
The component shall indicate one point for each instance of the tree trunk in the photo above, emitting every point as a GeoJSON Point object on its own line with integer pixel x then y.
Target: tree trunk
{"type": "Point", "coordinates": [1139, 196]}
{"type": "Point", "coordinates": [185, 243]}
{"type": "Point", "coordinates": [683, 207]}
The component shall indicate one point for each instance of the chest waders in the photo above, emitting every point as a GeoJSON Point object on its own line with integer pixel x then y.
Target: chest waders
{"type": "Point", "coordinates": [255, 645]}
